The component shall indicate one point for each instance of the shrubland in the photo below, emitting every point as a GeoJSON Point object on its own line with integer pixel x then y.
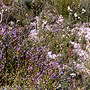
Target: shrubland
{"type": "Point", "coordinates": [47, 61]}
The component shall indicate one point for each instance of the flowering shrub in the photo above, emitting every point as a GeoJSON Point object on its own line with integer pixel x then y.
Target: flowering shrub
{"type": "Point", "coordinates": [36, 56]}
{"type": "Point", "coordinates": [76, 11]}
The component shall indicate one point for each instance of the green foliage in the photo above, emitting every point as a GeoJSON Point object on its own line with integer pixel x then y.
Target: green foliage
{"type": "Point", "coordinates": [35, 6]}
{"type": "Point", "coordinates": [61, 7]}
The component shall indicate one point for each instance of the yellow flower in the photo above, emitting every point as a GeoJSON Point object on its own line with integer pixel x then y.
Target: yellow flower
{"type": "Point", "coordinates": [57, 45]}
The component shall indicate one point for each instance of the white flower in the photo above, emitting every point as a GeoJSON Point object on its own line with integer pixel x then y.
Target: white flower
{"type": "Point", "coordinates": [18, 21]}
{"type": "Point", "coordinates": [60, 19]}
{"type": "Point", "coordinates": [59, 55]}
{"type": "Point", "coordinates": [9, 28]}
{"type": "Point", "coordinates": [44, 23]}
{"type": "Point", "coordinates": [54, 56]}
{"type": "Point", "coordinates": [71, 10]}
{"type": "Point", "coordinates": [83, 10]}
{"type": "Point", "coordinates": [79, 39]}
{"type": "Point", "coordinates": [2, 30]}
{"type": "Point", "coordinates": [34, 35]}
{"type": "Point", "coordinates": [26, 14]}
{"type": "Point", "coordinates": [6, 9]}
{"type": "Point", "coordinates": [81, 53]}
{"type": "Point", "coordinates": [79, 18]}
{"type": "Point", "coordinates": [75, 15]}
{"type": "Point", "coordinates": [12, 23]}
{"type": "Point", "coordinates": [73, 74]}
{"type": "Point", "coordinates": [88, 48]}
{"type": "Point", "coordinates": [68, 8]}
{"type": "Point", "coordinates": [86, 36]}
{"type": "Point", "coordinates": [1, 17]}
{"type": "Point", "coordinates": [72, 33]}
{"type": "Point", "coordinates": [70, 13]}
{"type": "Point", "coordinates": [49, 53]}
{"type": "Point", "coordinates": [33, 31]}
{"type": "Point", "coordinates": [2, 10]}
{"type": "Point", "coordinates": [76, 45]}
{"type": "Point", "coordinates": [72, 42]}
{"type": "Point", "coordinates": [63, 35]}
{"type": "Point", "coordinates": [50, 56]}
{"type": "Point", "coordinates": [59, 86]}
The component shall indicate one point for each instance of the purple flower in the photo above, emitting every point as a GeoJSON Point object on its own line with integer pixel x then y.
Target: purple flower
{"type": "Point", "coordinates": [33, 87]}
{"type": "Point", "coordinates": [9, 75]}
{"type": "Point", "coordinates": [41, 55]}
{"type": "Point", "coordinates": [56, 76]}
{"type": "Point", "coordinates": [26, 56]}
{"type": "Point", "coordinates": [28, 75]}
{"type": "Point", "coordinates": [19, 45]}
{"type": "Point", "coordinates": [51, 77]}
{"type": "Point", "coordinates": [23, 79]}
{"type": "Point", "coordinates": [38, 73]}
{"type": "Point", "coordinates": [47, 45]}
{"type": "Point", "coordinates": [34, 40]}
{"type": "Point", "coordinates": [53, 74]}
{"type": "Point", "coordinates": [42, 47]}
{"type": "Point", "coordinates": [32, 58]}
{"type": "Point", "coordinates": [37, 48]}
{"type": "Point", "coordinates": [0, 56]}
{"type": "Point", "coordinates": [5, 88]}
{"type": "Point", "coordinates": [40, 58]}
{"type": "Point", "coordinates": [31, 68]}
{"type": "Point", "coordinates": [2, 66]}
{"type": "Point", "coordinates": [18, 48]}
{"type": "Point", "coordinates": [36, 56]}
{"type": "Point", "coordinates": [28, 78]}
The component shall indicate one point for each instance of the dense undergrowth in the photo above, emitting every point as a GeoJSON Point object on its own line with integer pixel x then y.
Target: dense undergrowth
{"type": "Point", "coordinates": [47, 61]}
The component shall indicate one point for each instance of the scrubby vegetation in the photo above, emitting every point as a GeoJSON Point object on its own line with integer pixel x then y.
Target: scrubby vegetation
{"type": "Point", "coordinates": [43, 46]}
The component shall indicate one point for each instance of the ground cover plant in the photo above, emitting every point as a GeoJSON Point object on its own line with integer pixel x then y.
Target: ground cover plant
{"type": "Point", "coordinates": [37, 55]}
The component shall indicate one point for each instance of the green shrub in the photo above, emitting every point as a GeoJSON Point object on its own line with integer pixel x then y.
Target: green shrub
{"type": "Point", "coordinates": [35, 5]}
{"type": "Point", "coordinates": [79, 10]}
